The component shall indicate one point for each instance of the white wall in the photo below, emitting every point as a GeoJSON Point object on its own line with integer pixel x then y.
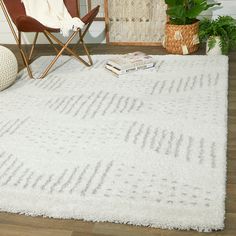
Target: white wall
{"type": "Point", "coordinates": [96, 33]}
{"type": "Point", "coordinates": [5, 36]}
{"type": "Point", "coordinates": [228, 7]}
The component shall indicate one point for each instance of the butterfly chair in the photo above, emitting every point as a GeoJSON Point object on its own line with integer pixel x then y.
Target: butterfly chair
{"type": "Point", "coordinates": [14, 11]}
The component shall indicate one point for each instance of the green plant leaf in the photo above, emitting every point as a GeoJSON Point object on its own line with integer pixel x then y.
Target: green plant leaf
{"type": "Point", "coordinates": [204, 30]}
{"type": "Point", "coordinates": [211, 43]}
{"type": "Point", "coordinates": [195, 11]}
{"type": "Point", "coordinates": [224, 27]}
{"type": "Point", "coordinates": [176, 12]}
{"type": "Point", "coordinates": [186, 11]}
{"type": "Point", "coordinates": [170, 2]}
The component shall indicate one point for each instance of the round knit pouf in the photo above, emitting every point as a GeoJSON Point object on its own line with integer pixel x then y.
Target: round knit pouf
{"type": "Point", "coordinates": [8, 68]}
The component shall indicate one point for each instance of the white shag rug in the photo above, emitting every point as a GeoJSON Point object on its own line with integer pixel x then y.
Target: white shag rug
{"type": "Point", "coordinates": [146, 149]}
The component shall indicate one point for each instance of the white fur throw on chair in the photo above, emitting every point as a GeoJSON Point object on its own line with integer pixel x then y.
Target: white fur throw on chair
{"type": "Point", "coordinates": [53, 14]}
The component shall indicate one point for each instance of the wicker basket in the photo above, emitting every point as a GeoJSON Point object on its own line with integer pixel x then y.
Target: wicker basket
{"type": "Point", "coordinates": [181, 39]}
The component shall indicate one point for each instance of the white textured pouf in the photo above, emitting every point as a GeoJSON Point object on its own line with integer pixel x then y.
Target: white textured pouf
{"type": "Point", "coordinates": [8, 68]}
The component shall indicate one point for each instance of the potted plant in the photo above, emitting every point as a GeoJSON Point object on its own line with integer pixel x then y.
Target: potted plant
{"type": "Point", "coordinates": [219, 34]}
{"type": "Point", "coordinates": [181, 34]}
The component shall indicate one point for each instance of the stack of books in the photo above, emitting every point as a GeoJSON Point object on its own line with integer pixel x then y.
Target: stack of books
{"type": "Point", "coordinates": [130, 62]}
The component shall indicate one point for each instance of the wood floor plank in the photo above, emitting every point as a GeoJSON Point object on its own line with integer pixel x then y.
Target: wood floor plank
{"type": "Point", "coordinates": [231, 179]}
{"type": "Point", "coordinates": [125, 230]}
{"type": "Point", "coordinates": [75, 233]}
{"type": "Point", "coordinates": [230, 222]}
{"type": "Point", "coordinates": [40, 222]}
{"type": "Point", "coordinates": [191, 233]}
{"type": "Point", "coordinates": [231, 188]}
{"type": "Point", "coordinates": [231, 164]}
{"type": "Point", "coordinates": [231, 153]}
{"type": "Point", "coordinates": [231, 206]}
{"type": "Point", "coordinates": [16, 230]}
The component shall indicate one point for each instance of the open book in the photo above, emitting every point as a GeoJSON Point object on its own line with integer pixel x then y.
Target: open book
{"type": "Point", "coordinates": [123, 64]}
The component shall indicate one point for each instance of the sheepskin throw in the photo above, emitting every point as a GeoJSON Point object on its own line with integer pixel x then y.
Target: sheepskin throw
{"type": "Point", "coordinates": [148, 148]}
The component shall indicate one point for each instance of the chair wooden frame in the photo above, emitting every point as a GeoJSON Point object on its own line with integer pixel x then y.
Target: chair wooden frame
{"type": "Point", "coordinates": [51, 39]}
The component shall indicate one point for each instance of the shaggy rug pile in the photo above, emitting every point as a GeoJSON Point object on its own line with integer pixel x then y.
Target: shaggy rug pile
{"type": "Point", "coordinates": [148, 148]}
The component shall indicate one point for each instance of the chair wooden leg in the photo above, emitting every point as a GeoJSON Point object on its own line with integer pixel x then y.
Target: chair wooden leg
{"type": "Point", "coordinates": [67, 48]}
{"type": "Point", "coordinates": [51, 42]}
{"type": "Point", "coordinates": [87, 52]}
{"type": "Point", "coordinates": [50, 37]}
{"type": "Point", "coordinates": [81, 40]}
{"type": "Point", "coordinates": [24, 57]}
{"type": "Point", "coordinates": [17, 38]}
{"type": "Point", "coordinates": [72, 51]}
{"type": "Point", "coordinates": [59, 53]}
{"type": "Point", "coordinates": [64, 47]}
{"type": "Point", "coordinates": [33, 46]}
{"type": "Point", "coordinates": [9, 21]}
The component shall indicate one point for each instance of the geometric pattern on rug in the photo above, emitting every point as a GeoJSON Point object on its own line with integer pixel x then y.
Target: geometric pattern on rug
{"type": "Point", "coordinates": [148, 148]}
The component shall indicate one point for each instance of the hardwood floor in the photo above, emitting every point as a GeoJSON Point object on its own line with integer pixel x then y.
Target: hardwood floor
{"type": "Point", "coordinates": [20, 225]}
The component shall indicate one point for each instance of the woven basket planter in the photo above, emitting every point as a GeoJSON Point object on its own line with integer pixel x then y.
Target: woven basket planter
{"type": "Point", "coordinates": [181, 39]}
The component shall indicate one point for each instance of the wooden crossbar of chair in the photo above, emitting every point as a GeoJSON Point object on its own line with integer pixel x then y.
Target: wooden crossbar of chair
{"type": "Point", "coordinates": [48, 33]}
